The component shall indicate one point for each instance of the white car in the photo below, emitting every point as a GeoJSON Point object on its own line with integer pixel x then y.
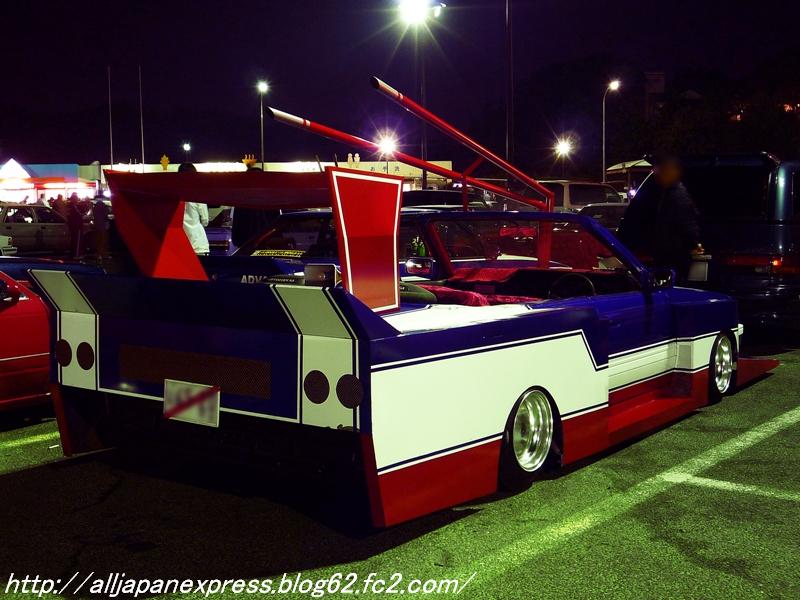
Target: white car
{"type": "Point", "coordinates": [571, 196]}
{"type": "Point", "coordinates": [6, 246]}
{"type": "Point", "coordinates": [35, 229]}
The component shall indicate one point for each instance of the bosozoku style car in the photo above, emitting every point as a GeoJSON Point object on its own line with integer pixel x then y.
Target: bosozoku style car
{"type": "Point", "coordinates": [531, 338]}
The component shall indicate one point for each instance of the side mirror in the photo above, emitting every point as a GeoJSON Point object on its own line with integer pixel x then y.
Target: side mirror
{"type": "Point", "coordinates": [9, 294]}
{"type": "Point", "coordinates": [661, 277]}
{"type": "Point", "coordinates": [422, 267]}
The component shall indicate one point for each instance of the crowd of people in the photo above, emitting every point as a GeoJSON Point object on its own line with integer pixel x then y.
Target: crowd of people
{"type": "Point", "coordinates": [83, 215]}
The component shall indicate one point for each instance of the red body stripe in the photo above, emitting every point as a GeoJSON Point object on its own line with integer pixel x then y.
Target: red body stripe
{"type": "Point", "coordinates": [438, 483]}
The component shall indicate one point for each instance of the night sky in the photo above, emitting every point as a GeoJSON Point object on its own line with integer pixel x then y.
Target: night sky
{"type": "Point", "coordinates": [201, 60]}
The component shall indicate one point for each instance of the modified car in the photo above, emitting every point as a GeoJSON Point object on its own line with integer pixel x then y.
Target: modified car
{"type": "Point", "coordinates": [438, 390]}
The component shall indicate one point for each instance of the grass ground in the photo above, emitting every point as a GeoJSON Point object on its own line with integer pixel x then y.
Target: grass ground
{"type": "Point", "coordinates": [706, 508]}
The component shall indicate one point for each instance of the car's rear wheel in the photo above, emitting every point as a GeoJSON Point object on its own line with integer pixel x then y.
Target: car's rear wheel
{"type": "Point", "coordinates": [527, 440]}
{"type": "Point", "coordinates": [721, 369]}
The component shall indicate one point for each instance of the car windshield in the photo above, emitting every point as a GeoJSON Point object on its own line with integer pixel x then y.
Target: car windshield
{"type": "Point", "coordinates": [569, 245]}
{"type": "Point", "coordinates": [581, 194]}
{"type": "Point", "coordinates": [608, 215]}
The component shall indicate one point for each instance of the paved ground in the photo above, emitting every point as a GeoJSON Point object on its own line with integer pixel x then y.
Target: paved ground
{"type": "Point", "coordinates": [707, 508]}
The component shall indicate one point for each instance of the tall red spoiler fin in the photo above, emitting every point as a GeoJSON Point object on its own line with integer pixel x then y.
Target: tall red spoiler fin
{"type": "Point", "coordinates": [153, 232]}
{"type": "Point", "coordinates": [367, 211]}
{"type": "Point", "coordinates": [445, 127]}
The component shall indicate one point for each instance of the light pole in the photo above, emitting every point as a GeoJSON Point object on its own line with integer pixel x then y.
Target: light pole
{"type": "Point", "coordinates": [187, 148]}
{"type": "Point", "coordinates": [612, 86]}
{"type": "Point", "coordinates": [415, 14]}
{"type": "Point", "coordinates": [263, 88]}
{"type": "Point", "coordinates": [563, 148]}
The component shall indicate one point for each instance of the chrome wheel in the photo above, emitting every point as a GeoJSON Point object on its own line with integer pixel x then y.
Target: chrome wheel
{"type": "Point", "coordinates": [532, 432]}
{"type": "Point", "coordinates": [723, 364]}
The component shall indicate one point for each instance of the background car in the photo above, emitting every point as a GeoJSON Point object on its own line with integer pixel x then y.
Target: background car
{"type": "Point", "coordinates": [24, 346]}
{"type": "Point", "coordinates": [219, 231]}
{"type": "Point", "coordinates": [7, 247]}
{"type": "Point", "coordinates": [608, 214]}
{"type": "Point", "coordinates": [573, 195]}
{"type": "Point", "coordinates": [749, 209]}
{"type": "Point", "coordinates": [35, 229]}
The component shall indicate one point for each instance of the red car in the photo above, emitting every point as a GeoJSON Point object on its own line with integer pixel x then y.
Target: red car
{"type": "Point", "coordinates": [24, 345]}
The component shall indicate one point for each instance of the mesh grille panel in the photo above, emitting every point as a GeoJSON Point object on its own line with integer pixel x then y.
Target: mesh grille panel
{"type": "Point", "coordinates": [241, 376]}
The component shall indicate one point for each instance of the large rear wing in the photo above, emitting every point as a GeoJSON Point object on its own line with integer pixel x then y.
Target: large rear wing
{"type": "Point", "coordinates": [149, 209]}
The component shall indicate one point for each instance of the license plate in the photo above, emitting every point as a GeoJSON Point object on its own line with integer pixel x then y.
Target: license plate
{"type": "Point", "coordinates": [191, 402]}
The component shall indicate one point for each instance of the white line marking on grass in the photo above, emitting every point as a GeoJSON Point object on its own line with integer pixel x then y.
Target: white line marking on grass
{"type": "Point", "coordinates": [730, 486]}
{"type": "Point", "coordinates": [33, 439]}
{"type": "Point", "coordinates": [526, 547]}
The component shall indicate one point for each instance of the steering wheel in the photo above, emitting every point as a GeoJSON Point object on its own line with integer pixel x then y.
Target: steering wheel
{"type": "Point", "coordinates": [570, 285]}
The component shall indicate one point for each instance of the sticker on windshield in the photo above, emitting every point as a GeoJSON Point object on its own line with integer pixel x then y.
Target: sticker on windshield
{"type": "Point", "coordinates": [279, 253]}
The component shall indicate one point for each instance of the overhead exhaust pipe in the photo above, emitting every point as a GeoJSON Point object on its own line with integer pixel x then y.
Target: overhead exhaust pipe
{"type": "Point", "coordinates": [445, 127]}
{"type": "Point", "coordinates": [355, 141]}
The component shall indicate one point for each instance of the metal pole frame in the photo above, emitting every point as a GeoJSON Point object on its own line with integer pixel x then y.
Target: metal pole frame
{"type": "Point", "coordinates": [355, 141]}
{"type": "Point", "coordinates": [261, 101]}
{"type": "Point", "coordinates": [605, 94]}
{"type": "Point", "coordinates": [141, 115]}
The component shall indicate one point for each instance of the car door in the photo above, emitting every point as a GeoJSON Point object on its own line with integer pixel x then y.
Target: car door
{"type": "Point", "coordinates": [19, 222]}
{"type": "Point", "coordinates": [24, 353]}
{"type": "Point", "coordinates": [640, 347]}
{"type": "Point", "coordinates": [53, 230]}
{"type": "Point", "coordinates": [638, 321]}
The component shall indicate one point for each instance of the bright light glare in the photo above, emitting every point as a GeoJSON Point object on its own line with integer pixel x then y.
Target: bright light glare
{"type": "Point", "coordinates": [187, 147]}
{"type": "Point", "coordinates": [563, 147]}
{"type": "Point", "coordinates": [614, 85]}
{"type": "Point", "coordinates": [416, 12]}
{"type": "Point", "coordinates": [387, 144]}
{"type": "Point", "coordinates": [262, 87]}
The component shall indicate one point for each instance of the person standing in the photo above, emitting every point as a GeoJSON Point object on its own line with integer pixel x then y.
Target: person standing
{"type": "Point", "coordinates": [100, 218]}
{"type": "Point", "coordinates": [75, 225]}
{"type": "Point", "coordinates": [195, 220]}
{"type": "Point", "coordinates": [662, 221]}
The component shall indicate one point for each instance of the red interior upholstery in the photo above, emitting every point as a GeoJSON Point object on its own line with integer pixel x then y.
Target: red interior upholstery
{"type": "Point", "coordinates": [446, 295]}
{"type": "Point", "coordinates": [483, 274]}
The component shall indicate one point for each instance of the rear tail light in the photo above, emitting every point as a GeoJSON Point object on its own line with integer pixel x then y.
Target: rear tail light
{"type": "Point", "coordinates": [764, 263]}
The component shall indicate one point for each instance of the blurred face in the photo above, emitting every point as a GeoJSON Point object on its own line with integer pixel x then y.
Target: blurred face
{"type": "Point", "coordinates": [668, 173]}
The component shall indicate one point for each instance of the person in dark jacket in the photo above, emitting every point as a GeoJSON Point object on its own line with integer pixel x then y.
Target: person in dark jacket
{"type": "Point", "coordinates": [661, 221]}
{"type": "Point", "coordinates": [75, 226]}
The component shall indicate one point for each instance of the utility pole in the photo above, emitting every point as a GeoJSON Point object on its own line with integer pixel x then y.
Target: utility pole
{"type": "Point", "coordinates": [141, 115]}
{"type": "Point", "coordinates": [110, 128]}
{"type": "Point", "coordinates": [509, 84]}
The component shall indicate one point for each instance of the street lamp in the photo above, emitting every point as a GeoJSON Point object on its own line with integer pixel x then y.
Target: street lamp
{"type": "Point", "coordinates": [563, 148]}
{"type": "Point", "coordinates": [612, 86]}
{"type": "Point", "coordinates": [263, 88]}
{"type": "Point", "coordinates": [387, 146]}
{"type": "Point", "coordinates": [415, 14]}
{"type": "Point", "coordinates": [187, 147]}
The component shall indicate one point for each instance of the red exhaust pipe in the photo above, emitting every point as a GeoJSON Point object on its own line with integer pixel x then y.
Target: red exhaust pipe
{"type": "Point", "coordinates": [355, 141]}
{"type": "Point", "coordinates": [445, 127]}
